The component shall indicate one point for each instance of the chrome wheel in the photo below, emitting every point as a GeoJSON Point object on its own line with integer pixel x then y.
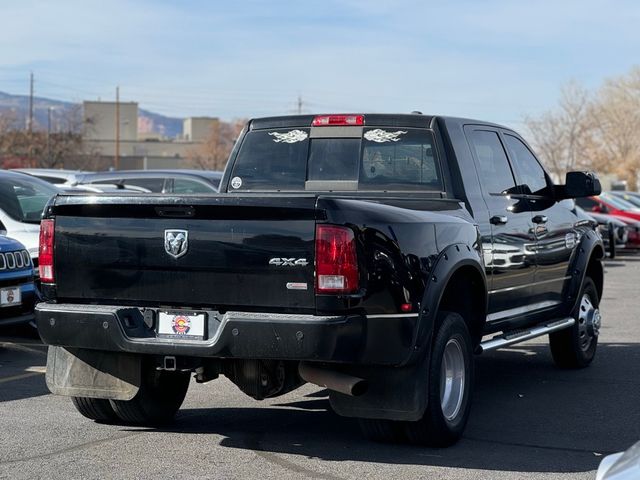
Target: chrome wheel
{"type": "Point", "coordinates": [452, 379]}
{"type": "Point", "coordinates": [589, 322]}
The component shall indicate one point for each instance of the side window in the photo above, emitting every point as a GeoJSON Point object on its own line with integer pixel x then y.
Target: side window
{"type": "Point", "coordinates": [529, 172]}
{"type": "Point", "coordinates": [183, 185]}
{"type": "Point", "coordinates": [493, 167]}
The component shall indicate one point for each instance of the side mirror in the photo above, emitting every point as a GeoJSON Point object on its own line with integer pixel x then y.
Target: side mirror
{"type": "Point", "coordinates": [581, 184]}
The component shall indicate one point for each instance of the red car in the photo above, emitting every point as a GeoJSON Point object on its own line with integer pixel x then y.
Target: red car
{"type": "Point", "coordinates": [610, 205]}
{"type": "Point", "coordinates": [619, 208]}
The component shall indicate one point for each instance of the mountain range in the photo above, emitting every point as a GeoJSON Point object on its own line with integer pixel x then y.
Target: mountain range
{"type": "Point", "coordinates": [19, 105]}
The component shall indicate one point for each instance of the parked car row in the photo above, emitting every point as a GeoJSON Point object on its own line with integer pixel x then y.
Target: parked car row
{"type": "Point", "coordinates": [23, 196]}
{"type": "Point", "coordinates": [617, 216]}
{"type": "Point", "coordinates": [154, 181]}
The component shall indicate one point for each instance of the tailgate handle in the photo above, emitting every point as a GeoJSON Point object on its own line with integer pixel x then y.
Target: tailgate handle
{"type": "Point", "coordinates": [176, 212]}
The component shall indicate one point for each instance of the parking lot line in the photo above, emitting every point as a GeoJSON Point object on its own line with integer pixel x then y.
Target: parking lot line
{"type": "Point", "coordinates": [23, 347]}
{"type": "Point", "coordinates": [20, 377]}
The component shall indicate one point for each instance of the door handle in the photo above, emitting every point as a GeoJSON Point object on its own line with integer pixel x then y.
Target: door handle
{"type": "Point", "coordinates": [540, 219]}
{"type": "Point", "coordinates": [498, 220]}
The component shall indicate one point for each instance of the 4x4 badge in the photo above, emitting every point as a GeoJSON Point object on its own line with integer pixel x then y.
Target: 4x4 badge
{"type": "Point", "coordinates": [176, 242]}
{"type": "Point", "coordinates": [289, 262]}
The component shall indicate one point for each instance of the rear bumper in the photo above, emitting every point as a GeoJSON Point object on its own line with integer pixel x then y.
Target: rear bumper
{"type": "Point", "coordinates": [356, 339]}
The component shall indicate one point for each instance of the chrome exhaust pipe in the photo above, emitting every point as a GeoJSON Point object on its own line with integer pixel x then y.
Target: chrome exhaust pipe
{"type": "Point", "coordinates": [336, 381]}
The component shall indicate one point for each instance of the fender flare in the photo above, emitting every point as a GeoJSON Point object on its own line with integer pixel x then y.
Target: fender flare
{"type": "Point", "coordinates": [590, 244]}
{"type": "Point", "coordinates": [448, 262]}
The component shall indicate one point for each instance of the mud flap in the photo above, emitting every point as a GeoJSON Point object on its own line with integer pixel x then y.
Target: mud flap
{"type": "Point", "coordinates": [395, 393]}
{"type": "Point", "coordinates": [77, 372]}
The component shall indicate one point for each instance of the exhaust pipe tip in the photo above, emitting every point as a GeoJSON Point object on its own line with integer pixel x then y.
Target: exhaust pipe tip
{"type": "Point", "coordinates": [332, 380]}
{"type": "Point", "coordinates": [359, 388]}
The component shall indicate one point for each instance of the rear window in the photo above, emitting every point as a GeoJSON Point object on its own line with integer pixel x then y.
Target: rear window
{"type": "Point", "coordinates": [380, 159]}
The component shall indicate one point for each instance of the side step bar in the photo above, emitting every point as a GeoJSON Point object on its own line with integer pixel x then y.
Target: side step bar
{"type": "Point", "coordinates": [509, 338]}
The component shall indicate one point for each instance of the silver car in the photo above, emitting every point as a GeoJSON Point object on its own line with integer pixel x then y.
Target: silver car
{"type": "Point", "coordinates": [54, 175]}
{"type": "Point", "coordinates": [621, 466]}
{"type": "Point", "coordinates": [22, 200]}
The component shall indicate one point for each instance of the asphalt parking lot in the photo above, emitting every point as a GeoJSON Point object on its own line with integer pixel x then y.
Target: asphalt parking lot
{"type": "Point", "coordinates": [529, 420]}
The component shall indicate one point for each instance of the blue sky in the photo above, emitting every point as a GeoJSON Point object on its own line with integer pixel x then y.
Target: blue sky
{"type": "Point", "coordinates": [495, 60]}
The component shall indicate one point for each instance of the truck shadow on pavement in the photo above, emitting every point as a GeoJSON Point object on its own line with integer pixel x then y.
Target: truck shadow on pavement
{"type": "Point", "coordinates": [527, 416]}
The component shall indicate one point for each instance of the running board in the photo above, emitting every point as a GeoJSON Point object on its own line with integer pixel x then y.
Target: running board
{"type": "Point", "coordinates": [509, 338]}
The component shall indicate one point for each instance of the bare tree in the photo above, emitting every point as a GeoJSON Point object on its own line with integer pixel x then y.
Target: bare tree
{"type": "Point", "coordinates": [54, 148]}
{"type": "Point", "coordinates": [561, 137]}
{"type": "Point", "coordinates": [593, 131]}
{"type": "Point", "coordinates": [214, 152]}
{"type": "Point", "coordinates": [616, 148]}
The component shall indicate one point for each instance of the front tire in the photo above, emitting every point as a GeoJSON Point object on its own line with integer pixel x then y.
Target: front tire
{"type": "Point", "coordinates": [159, 398]}
{"type": "Point", "coordinates": [575, 347]}
{"type": "Point", "coordinates": [612, 242]}
{"type": "Point", "coordinates": [451, 372]}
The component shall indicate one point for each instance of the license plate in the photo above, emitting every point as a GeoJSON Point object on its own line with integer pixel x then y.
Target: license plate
{"type": "Point", "coordinates": [10, 297]}
{"type": "Point", "coordinates": [187, 325]}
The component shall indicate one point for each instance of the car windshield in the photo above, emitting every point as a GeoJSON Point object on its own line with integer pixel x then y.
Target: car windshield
{"type": "Point", "coordinates": [24, 199]}
{"type": "Point", "coordinates": [635, 201]}
{"type": "Point", "coordinates": [378, 159]}
{"type": "Point", "coordinates": [618, 203]}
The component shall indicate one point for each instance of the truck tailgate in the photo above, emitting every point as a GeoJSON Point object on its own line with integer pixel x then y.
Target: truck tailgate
{"type": "Point", "coordinates": [249, 252]}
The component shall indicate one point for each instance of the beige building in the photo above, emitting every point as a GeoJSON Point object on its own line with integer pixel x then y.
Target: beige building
{"type": "Point", "coordinates": [197, 129]}
{"type": "Point", "coordinates": [100, 120]}
{"type": "Point", "coordinates": [138, 150]}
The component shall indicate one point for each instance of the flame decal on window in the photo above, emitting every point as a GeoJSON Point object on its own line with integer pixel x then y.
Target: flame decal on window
{"type": "Point", "coordinates": [382, 136]}
{"type": "Point", "coordinates": [292, 136]}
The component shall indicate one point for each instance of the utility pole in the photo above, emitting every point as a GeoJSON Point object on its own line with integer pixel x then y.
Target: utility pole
{"type": "Point", "coordinates": [30, 120]}
{"type": "Point", "coordinates": [299, 105]}
{"type": "Point", "coordinates": [48, 136]}
{"type": "Point", "coordinates": [116, 160]}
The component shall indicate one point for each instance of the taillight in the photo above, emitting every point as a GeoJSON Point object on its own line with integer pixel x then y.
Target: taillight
{"type": "Point", "coordinates": [336, 260]}
{"type": "Point", "coordinates": [45, 255]}
{"type": "Point", "coordinates": [337, 120]}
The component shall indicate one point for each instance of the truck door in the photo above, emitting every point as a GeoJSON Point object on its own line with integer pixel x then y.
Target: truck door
{"type": "Point", "coordinates": [553, 224]}
{"type": "Point", "coordinates": [510, 262]}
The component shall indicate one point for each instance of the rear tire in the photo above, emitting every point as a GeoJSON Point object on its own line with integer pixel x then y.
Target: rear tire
{"type": "Point", "coordinates": [384, 431]}
{"type": "Point", "coordinates": [98, 409]}
{"type": "Point", "coordinates": [450, 385]}
{"type": "Point", "coordinates": [160, 396]}
{"type": "Point", "coordinates": [575, 347]}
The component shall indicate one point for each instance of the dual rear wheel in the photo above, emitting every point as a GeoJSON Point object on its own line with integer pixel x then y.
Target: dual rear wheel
{"type": "Point", "coordinates": [449, 391]}
{"type": "Point", "coordinates": [451, 373]}
{"type": "Point", "coordinates": [160, 396]}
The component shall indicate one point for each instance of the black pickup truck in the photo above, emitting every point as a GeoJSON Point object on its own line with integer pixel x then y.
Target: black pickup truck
{"type": "Point", "coordinates": [373, 255]}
